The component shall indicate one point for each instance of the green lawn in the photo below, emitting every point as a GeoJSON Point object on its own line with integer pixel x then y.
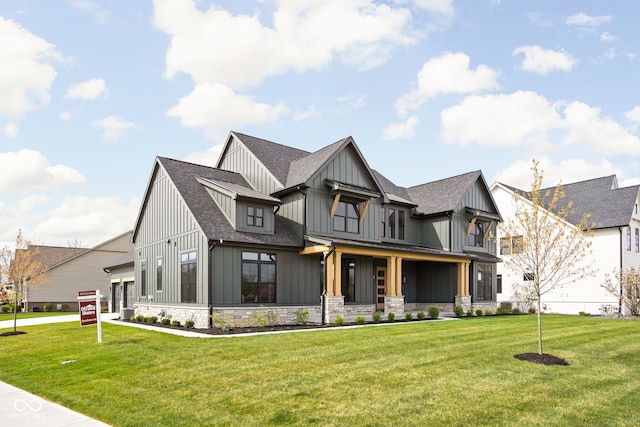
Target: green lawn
{"type": "Point", "coordinates": [29, 315]}
{"type": "Point", "coordinates": [428, 373]}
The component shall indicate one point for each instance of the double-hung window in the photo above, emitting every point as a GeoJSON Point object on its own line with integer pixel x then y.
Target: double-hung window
{"type": "Point", "coordinates": [255, 216]}
{"type": "Point", "coordinates": [258, 277]}
{"type": "Point", "coordinates": [347, 217]}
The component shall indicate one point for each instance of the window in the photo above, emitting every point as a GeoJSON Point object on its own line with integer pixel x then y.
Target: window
{"type": "Point", "coordinates": [349, 280]}
{"type": "Point", "coordinates": [392, 223]}
{"type": "Point", "coordinates": [255, 216]}
{"type": "Point", "coordinates": [483, 285]}
{"type": "Point", "coordinates": [258, 277]}
{"type": "Point", "coordinates": [401, 225]}
{"type": "Point", "coordinates": [159, 274]}
{"type": "Point", "coordinates": [188, 276]}
{"type": "Point", "coordinates": [143, 277]}
{"type": "Point", "coordinates": [383, 223]}
{"type": "Point", "coordinates": [346, 218]}
{"type": "Point", "coordinates": [509, 245]}
{"type": "Point", "coordinates": [637, 240]}
{"type": "Point", "coordinates": [499, 283]}
{"type": "Point", "coordinates": [528, 277]}
{"type": "Point", "coordinates": [628, 238]}
{"type": "Point", "coordinates": [477, 230]}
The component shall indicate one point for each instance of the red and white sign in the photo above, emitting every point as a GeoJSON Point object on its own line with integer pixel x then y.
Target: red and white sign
{"type": "Point", "coordinates": [88, 313]}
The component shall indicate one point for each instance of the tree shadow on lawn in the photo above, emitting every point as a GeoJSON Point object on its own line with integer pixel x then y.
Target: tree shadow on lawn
{"type": "Point", "coordinates": [544, 359]}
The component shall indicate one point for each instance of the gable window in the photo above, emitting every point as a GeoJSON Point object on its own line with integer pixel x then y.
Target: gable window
{"type": "Point", "coordinates": [477, 230]}
{"type": "Point", "coordinates": [255, 216]}
{"type": "Point", "coordinates": [349, 280]}
{"type": "Point", "coordinates": [143, 278]}
{"type": "Point", "coordinates": [258, 277]}
{"type": "Point", "coordinates": [346, 217]}
{"type": "Point", "coordinates": [637, 240]}
{"type": "Point", "coordinates": [511, 245]}
{"type": "Point", "coordinates": [188, 276]}
{"type": "Point", "coordinates": [159, 274]}
{"type": "Point", "coordinates": [628, 238]}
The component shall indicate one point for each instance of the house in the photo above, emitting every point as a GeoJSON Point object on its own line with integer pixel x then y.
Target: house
{"type": "Point", "coordinates": [70, 270]}
{"type": "Point", "coordinates": [615, 243]}
{"type": "Point", "coordinates": [121, 285]}
{"type": "Point", "coordinates": [276, 228]}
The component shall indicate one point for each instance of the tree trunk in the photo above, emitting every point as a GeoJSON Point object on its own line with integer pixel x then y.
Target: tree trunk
{"type": "Point", "coordinates": [539, 328]}
{"type": "Point", "coordinates": [15, 313]}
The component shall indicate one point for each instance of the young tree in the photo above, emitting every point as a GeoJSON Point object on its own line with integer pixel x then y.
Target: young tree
{"type": "Point", "coordinates": [541, 246]}
{"type": "Point", "coordinates": [20, 268]}
{"type": "Point", "coordinates": [627, 289]}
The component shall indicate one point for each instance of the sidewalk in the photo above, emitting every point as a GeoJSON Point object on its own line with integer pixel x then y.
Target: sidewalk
{"type": "Point", "coordinates": [19, 408]}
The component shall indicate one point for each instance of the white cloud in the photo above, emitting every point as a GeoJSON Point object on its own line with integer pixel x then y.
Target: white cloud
{"type": "Point", "coordinates": [308, 113]}
{"type": "Point", "coordinates": [352, 102]}
{"type": "Point", "coordinates": [91, 89]}
{"type": "Point", "coordinates": [112, 127]}
{"type": "Point", "coordinates": [540, 19]}
{"type": "Point", "coordinates": [216, 108]}
{"type": "Point", "coordinates": [65, 115]}
{"type": "Point", "coordinates": [543, 61]}
{"type": "Point", "coordinates": [606, 37]}
{"type": "Point", "coordinates": [215, 46]}
{"type": "Point", "coordinates": [449, 73]}
{"type": "Point", "coordinates": [444, 7]}
{"type": "Point", "coordinates": [633, 116]}
{"type": "Point", "coordinates": [207, 158]}
{"type": "Point", "coordinates": [568, 171]}
{"type": "Point", "coordinates": [582, 19]}
{"type": "Point", "coordinates": [100, 15]}
{"type": "Point", "coordinates": [28, 170]}
{"type": "Point", "coordinates": [10, 130]}
{"type": "Point", "coordinates": [587, 127]}
{"type": "Point", "coordinates": [505, 120]}
{"type": "Point", "coordinates": [400, 130]}
{"type": "Point", "coordinates": [25, 84]}
{"type": "Point", "coordinates": [90, 220]}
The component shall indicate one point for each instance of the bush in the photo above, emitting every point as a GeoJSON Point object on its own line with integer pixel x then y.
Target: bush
{"type": "Point", "coordinates": [478, 312]}
{"type": "Point", "coordinates": [391, 317]}
{"type": "Point", "coordinates": [64, 307]}
{"type": "Point", "coordinates": [488, 313]}
{"type": "Point", "coordinates": [408, 316]}
{"type": "Point", "coordinates": [458, 311]}
{"type": "Point", "coordinates": [376, 316]}
{"type": "Point", "coordinates": [360, 320]}
{"type": "Point", "coordinates": [532, 310]}
{"type": "Point", "coordinates": [421, 315]}
{"type": "Point", "coordinates": [150, 320]}
{"type": "Point", "coordinates": [175, 323]}
{"type": "Point", "coordinates": [433, 311]}
{"type": "Point", "coordinates": [515, 310]}
{"type": "Point", "coordinates": [338, 320]}
{"type": "Point", "coordinates": [189, 324]}
{"type": "Point", "coordinates": [223, 321]}
{"type": "Point", "coordinates": [140, 318]}
{"type": "Point", "coordinates": [303, 317]}
{"type": "Point", "coordinates": [469, 313]}
{"type": "Point", "coordinates": [48, 307]}
{"type": "Point", "coordinates": [165, 321]}
{"type": "Point", "coordinates": [584, 313]}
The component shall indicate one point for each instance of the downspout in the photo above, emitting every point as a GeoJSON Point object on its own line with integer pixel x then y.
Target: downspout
{"type": "Point", "coordinates": [210, 284]}
{"type": "Point", "coordinates": [450, 215]}
{"type": "Point", "coordinates": [621, 264]}
{"type": "Point", "coordinates": [323, 302]}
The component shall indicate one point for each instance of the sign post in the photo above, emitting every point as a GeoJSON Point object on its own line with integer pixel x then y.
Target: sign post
{"type": "Point", "coordinates": [89, 305]}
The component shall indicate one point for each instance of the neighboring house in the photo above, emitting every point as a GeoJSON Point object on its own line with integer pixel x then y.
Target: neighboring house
{"type": "Point", "coordinates": [70, 270]}
{"type": "Point", "coordinates": [615, 243]}
{"type": "Point", "coordinates": [290, 230]}
{"type": "Point", "coordinates": [122, 285]}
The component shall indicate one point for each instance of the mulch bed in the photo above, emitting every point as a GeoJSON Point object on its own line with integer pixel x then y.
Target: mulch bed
{"type": "Point", "coordinates": [544, 359]}
{"type": "Point", "coordinates": [11, 333]}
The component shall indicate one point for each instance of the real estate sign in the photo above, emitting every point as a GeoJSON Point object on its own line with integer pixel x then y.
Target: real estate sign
{"type": "Point", "coordinates": [89, 305]}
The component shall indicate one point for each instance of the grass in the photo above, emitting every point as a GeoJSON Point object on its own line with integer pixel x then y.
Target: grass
{"type": "Point", "coordinates": [29, 315]}
{"type": "Point", "coordinates": [427, 373]}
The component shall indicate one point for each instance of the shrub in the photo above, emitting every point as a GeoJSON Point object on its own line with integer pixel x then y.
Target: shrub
{"type": "Point", "coordinates": [64, 307]}
{"type": "Point", "coordinates": [165, 321]}
{"type": "Point", "coordinates": [338, 320]}
{"type": "Point", "coordinates": [503, 310]}
{"type": "Point", "coordinates": [175, 323]}
{"type": "Point", "coordinates": [515, 310]}
{"type": "Point", "coordinates": [303, 317]}
{"type": "Point", "coordinates": [4, 308]}
{"type": "Point", "coordinates": [150, 320]}
{"type": "Point", "coordinates": [458, 311]}
{"type": "Point", "coordinates": [376, 316]}
{"type": "Point", "coordinates": [469, 313]}
{"type": "Point", "coordinates": [264, 318]}
{"type": "Point", "coordinates": [391, 317]}
{"type": "Point", "coordinates": [433, 311]}
{"type": "Point", "coordinates": [421, 315]}
{"type": "Point", "coordinates": [408, 316]}
{"type": "Point", "coordinates": [478, 312]}
{"type": "Point", "coordinates": [532, 310]}
{"type": "Point", "coordinates": [488, 313]}
{"type": "Point", "coordinates": [140, 318]}
{"type": "Point", "coordinates": [222, 321]}
{"type": "Point", "coordinates": [48, 307]}
{"type": "Point", "coordinates": [360, 320]}
{"type": "Point", "coordinates": [584, 313]}
{"type": "Point", "coordinates": [189, 324]}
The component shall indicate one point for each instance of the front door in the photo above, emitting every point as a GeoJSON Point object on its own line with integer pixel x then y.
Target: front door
{"type": "Point", "coordinates": [115, 297]}
{"type": "Point", "coordinates": [381, 280]}
{"type": "Point", "coordinates": [128, 296]}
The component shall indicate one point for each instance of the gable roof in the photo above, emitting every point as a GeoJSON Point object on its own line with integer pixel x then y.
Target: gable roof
{"type": "Point", "coordinates": [206, 212]}
{"type": "Point", "coordinates": [51, 256]}
{"type": "Point", "coordinates": [443, 195]}
{"type": "Point", "coordinates": [394, 192]}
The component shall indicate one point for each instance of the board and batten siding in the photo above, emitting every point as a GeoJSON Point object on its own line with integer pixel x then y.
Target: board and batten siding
{"type": "Point", "coordinates": [476, 197]}
{"type": "Point", "coordinates": [239, 159]}
{"type": "Point", "coordinates": [297, 277]}
{"type": "Point", "coordinates": [226, 204]}
{"type": "Point", "coordinates": [166, 230]}
{"type": "Point", "coordinates": [292, 211]}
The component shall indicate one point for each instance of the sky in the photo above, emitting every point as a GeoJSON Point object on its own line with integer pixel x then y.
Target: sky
{"type": "Point", "coordinates": [92, 91]}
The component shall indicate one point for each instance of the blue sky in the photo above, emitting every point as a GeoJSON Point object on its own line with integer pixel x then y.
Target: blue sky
{"type": "Point", "coordinates": [91, 92]}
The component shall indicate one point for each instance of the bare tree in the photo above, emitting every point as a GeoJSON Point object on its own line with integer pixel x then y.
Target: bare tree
{"type": "Point", "coordinates": [540, 244]}
{"type": "Point", "coordinates": [627, 289]}
{"type": "Point", "coordinates": [19, 268]}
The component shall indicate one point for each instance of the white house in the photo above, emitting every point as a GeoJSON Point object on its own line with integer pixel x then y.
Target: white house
{"type": "Point", "coordinates": [615, 243]}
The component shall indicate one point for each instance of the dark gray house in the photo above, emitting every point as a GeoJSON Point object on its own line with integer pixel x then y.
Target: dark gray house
{"type": "Point", "coordinates": [278, 228]}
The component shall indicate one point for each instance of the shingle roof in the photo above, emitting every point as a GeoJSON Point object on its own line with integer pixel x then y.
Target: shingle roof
{"type": "Point", "coordinates": [300, 170]}
{"type": "Point", "coordinates": [49, 256]}
{"type": "Point", "coordinates": [275, 157]}
{"type": "Point", "coordinates": [443, 195]}
{"type": "Point", "coordinates": [125, 259]}
{"type": "Point", "coordinates": [210, 218]}
{"type": "Point", "coordinates": [394, 193]}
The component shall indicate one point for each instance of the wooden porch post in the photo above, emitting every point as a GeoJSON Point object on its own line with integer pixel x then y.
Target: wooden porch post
{"type": "Point", "coordinates": [463, 278]}
{"type": "Point", "coordinates": [330, 275]}
{"type": "Point", "coordinates": [391, 276]}
{"type": "Point", "coordinates": [399, 276]}
{"type": "Point", "coordinates": [337, 276]}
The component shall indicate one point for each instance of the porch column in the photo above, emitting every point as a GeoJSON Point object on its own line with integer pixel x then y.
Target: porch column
{"type": "Point", "coordinates": [399, 276]}
{"type": "Point", "coordinates": [337, 276]}
{"type": "Point", "coordinates": [391, 277]}
{"type": "Point", "coordinates": [330, 274]}
{"type": "Point", "coordinates": [463, 297]}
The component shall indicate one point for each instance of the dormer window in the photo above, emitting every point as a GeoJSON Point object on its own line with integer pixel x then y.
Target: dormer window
{"type": "Point", "coordinates": [255, 216]}
{"type": "Point", "coordinates": [346, 217]}
{"type": "Point", "coordinates": [477, 231]}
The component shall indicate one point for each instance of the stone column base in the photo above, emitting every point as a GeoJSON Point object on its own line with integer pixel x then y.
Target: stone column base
{"type": "Point", "coordinates": [333, 306]}
{"type": "Point", "coordinates": [394, 305]}
{"type": "Point", "coordinates": [464, 301]}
